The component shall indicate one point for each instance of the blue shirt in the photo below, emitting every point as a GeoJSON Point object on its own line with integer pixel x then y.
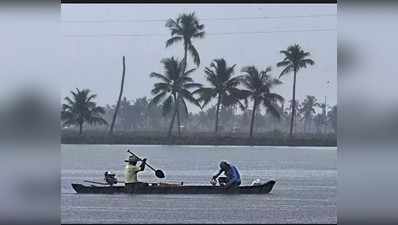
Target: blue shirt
{"type": "Point", "coordinates": [234, 175]}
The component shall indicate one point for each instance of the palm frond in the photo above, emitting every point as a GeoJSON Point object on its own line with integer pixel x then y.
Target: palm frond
{"type": "Point", "coordinates": [192, 85]}
{"type": "Point", "coordinates": [91, 97]}
{"type": "Point", "coordinates": [98, 110]}
{"type": "Point", "coordinates": [205, 95]}
{"type": "Point", "coordinates": [162, 86]}
{"type": "Point", "coordinates": [173, 40]}
{"type": "Point", "coordinates": [230, 70]}
{"type": "Point", "coordinates": [287, 70]}
{"type": "Point", "coordinates": [66, 107]}
{"type": "Point", "coordinates": [273, 109]}
{"type": "Point", "coordinates": [188, 96]}
{"type": "Point", "coordinates": [283, 63]}
{"type": "Point", "coordinates": [184, 105]}
{"type": "Point", "coordinates": [172, 24]}
{"type": "Point", "coordinates": [230, 100]}
{"type": "Point", "coordinates": [305, 54]}
{"type": "Point", "coordinates": [167, 105]}
{"type": "Point", "coordinates": [308, 61]}
{"type": "Point", "coordinates": [189, 72]}
{"type": "Point", "coordinates": [199, 34]}
{"type": "Point", "coordinates": [194, 53]}
{"type": "Point", "coordinates": [286, 53]}
{"type": "Point", "coordinates": [155, 100]}
{"type": "Point", "coordinates": [69, 100]}
{"type": "Point", "coordinates": [273, 97]}
{"type": "Point", "coordinates": [267, 69]}
{"type": "Point", "coordinates": [183, 80]}
{"type": "Point", "coordinates": [160, 76]}
{"type": "Point", "coordinates": [235, 81]}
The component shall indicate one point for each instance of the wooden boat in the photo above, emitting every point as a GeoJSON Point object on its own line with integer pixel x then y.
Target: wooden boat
{"type": "Point", "coordinates": [174, 189]}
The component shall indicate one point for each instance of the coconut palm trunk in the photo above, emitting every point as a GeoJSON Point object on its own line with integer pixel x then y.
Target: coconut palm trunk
{"type": "Point", "coordinates": [80, 128]}
{"type": "Point", "coordinates": [177, 99]}
{"type": "Point", "coordinates": [178, 117]}
{"type": "Point", "coordinates": [293, 105]}
{"type": "Point", "coordinates": [217, 113]}
{"type": "Point", "coordinates": [185, 56]}
{"type": "Point", "coordinates": [172, 123]}
{"type": "Point", "coordinates": [253, 117]}
{"type": "Point", "coordinates": [119, 99]}
{"type": "Point", "coordinates": [175, 114]}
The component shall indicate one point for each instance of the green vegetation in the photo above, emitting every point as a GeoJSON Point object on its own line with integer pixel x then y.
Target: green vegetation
{"type": "Point", "coordinates": [223, 87]}
{"type": "Point", "coordinates": [151, 121]}
{"type": "Point", "coordinates": [82, 110]}
{"type": "Point", "coordinates": [308, 109]}
{"type": "Point", "coordinates": [174, 90]}
{"type": "Point", "coordinates": [273, 138]}
{"type": "Point", "coordinates": [294, 59]}
{"type": "Point", "coordinates": [259, 85]}
{"type": "Point", "coordinates": [186, 28]}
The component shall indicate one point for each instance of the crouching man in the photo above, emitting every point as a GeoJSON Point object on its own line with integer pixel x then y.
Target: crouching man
{"type": "Point", "coordinates": [231, 178]}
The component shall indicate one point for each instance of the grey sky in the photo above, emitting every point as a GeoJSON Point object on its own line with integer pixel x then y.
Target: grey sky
{"type": "Point", "coordinates": [95, 62]}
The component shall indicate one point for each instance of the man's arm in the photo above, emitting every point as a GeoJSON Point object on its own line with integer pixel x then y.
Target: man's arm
{"type": "Point", "coordinates": [232, 179]}
{"type": "Point", "coordinates": [218, 174]}
{"type": "Point", "coordinates": [142, 166]}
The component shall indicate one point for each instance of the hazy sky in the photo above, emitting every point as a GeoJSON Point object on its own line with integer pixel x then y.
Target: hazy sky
{"type": "Point", "coordinates": [97, 36]}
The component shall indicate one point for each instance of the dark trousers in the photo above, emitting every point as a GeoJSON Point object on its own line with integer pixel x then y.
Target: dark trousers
{"type": "Point", "coordinates": [131, 187]}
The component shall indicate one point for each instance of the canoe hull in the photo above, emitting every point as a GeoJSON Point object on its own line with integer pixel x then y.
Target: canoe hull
{"type": "Point", "coordinates": [260, 189]}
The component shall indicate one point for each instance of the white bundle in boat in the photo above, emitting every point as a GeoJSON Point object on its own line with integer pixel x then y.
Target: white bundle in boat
{"type": "Point", "coordinates": [256, 182]}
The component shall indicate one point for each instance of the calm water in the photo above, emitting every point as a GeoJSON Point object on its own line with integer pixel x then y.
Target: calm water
{"type": "Point", "coordinates": [305, 191]}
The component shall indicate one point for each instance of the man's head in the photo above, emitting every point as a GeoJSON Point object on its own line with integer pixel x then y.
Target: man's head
{"type": "Point", "coordinates": [224, 165]}
{"type": "Point", "coordinates": [132, 160]}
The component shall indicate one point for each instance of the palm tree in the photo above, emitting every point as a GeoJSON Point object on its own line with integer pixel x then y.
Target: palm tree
{"type": "Point", "coordinates": [298, 111]}
{"type": "Point", "coordinates": [294, 59]}
{"type": "Point", "coordinates": [173, 89]}
{"type": "Point", "coordinates": [259, 84]}
{"type": "Point", "coordinates": [318, 120]}
{"type": "Point", "coordinates": [120, 97]}
{"type": "Point", "coordinates": [82, 109]}
{"type": "Point", "coordinates": [332, 118]}
{"type": "Point", "coordinates": [224, 87]}
{"type": "Point", "coordinates": [186, 28]}
{"type": "Point", "coordinates": [308, 109]}
{"type": "Point", "coordinates": [323, 107]}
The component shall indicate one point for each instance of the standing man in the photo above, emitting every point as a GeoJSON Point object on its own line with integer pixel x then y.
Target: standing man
{"type": "Point", "coordinates": [232, 176]}
{"type": "Point", "coordinates": [130, 173]}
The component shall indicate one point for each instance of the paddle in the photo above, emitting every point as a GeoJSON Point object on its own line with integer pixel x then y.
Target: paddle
{"type": "Point", "coordinates": [158, 173]}
{"type": "Point", "coordinates": [94, 182]}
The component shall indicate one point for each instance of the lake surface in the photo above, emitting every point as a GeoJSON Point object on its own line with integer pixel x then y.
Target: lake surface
{"type": "Point", "coordinates": [305, 191]}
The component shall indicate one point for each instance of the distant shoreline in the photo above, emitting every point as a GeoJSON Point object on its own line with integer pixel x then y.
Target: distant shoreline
{"type": "Point", "coordinates": [155, 138]}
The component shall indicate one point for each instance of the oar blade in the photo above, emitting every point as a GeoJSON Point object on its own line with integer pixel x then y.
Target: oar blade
{"type": "Point", "coordinates": [159, 174]}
